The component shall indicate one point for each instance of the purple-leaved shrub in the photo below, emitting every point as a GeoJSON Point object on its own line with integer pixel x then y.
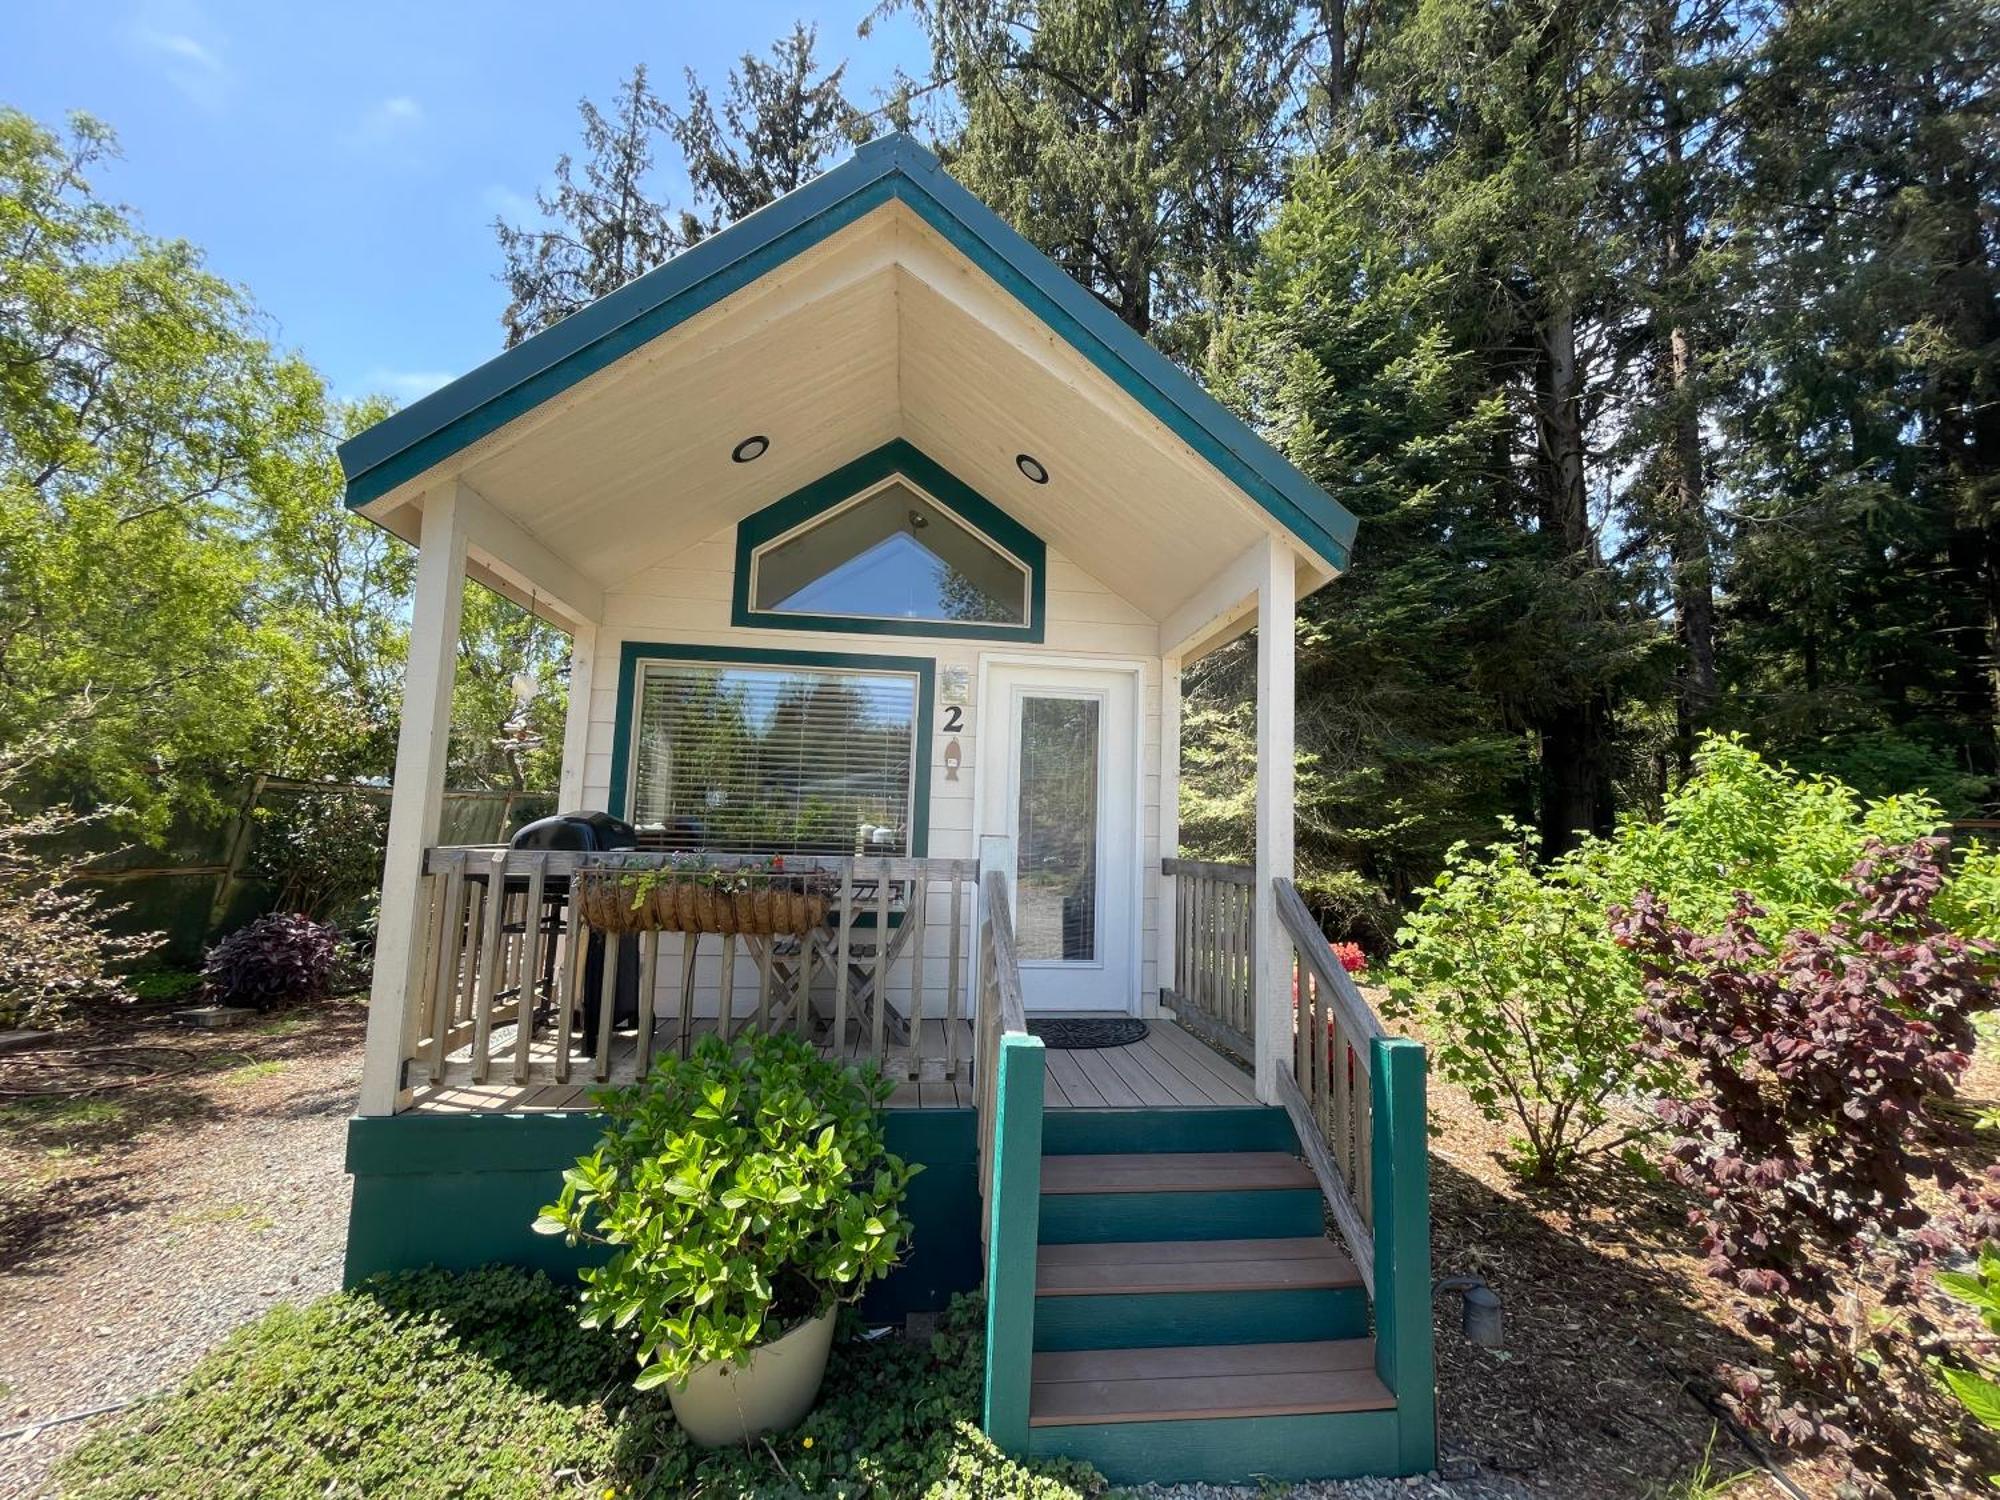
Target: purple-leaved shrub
{"type": "Point", "coordinates": [1814, 1125]}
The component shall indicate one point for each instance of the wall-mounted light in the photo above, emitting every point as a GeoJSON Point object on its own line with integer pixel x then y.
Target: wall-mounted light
{"type": "Point", "coordinates": [1031, 466]}
{"type": "Point", "coordinates": [750, 449]}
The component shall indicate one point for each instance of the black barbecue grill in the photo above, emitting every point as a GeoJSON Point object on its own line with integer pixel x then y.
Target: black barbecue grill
{"type": "Point", "coordinates": [586, 833]}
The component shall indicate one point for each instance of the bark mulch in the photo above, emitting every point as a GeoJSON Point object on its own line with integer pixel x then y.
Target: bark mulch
{"type": "Point", "coordinates": [140, 1224]}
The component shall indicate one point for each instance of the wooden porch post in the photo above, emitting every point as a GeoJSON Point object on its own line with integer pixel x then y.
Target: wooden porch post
{"type": "Point", "coordinates": [1277, 596]}
{"type": "Point", "coordinates": [576, 727]}
{"type": "Point", "coordinates": [1166, 930]}
{"type": "Point", "coordinates": [417, 802]}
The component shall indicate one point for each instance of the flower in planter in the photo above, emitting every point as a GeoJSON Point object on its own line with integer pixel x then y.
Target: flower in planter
{"type": "Point", "coordinates": [743, 1192]}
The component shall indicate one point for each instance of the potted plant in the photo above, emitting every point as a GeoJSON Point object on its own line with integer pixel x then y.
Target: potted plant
{"type": "Point", "coordinates": [744, 1193]}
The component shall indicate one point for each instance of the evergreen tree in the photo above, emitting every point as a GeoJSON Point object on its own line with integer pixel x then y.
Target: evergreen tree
{"type": "Point", "coordinates": [1140, 147]}
{"type": "Point", "coordinates": [603, 224]}
{"type": "Point", "coordinates": [781, 123]}
{"type": "Point", "coordinates": [1865, 594]}
{"type": "Point", "coordinates": [608, 220]}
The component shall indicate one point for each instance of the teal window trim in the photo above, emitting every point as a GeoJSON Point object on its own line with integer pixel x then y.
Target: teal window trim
{"type": "Point", "coordinates": [633, 654]}
{"type": "Point", "coordinates": [897, 459]}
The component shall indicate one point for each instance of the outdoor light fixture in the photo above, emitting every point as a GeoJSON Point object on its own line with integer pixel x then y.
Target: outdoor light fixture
{"type": "Point", "coordinates": [1031, 466]}
{"type": "Point", "coordinates": [750, 449]}
{"type": "Point", "coordinates": [1480, 1319]}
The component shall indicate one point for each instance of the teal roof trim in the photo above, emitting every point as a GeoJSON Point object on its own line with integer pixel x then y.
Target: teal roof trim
{"type": "Point", "coordinates": [430, 430]}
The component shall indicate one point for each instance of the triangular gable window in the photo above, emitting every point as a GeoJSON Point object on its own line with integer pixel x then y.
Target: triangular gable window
{"type": "Point", "coordinates": [892, 553]}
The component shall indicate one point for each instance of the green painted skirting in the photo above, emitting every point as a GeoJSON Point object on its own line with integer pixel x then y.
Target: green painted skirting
{"type": "Point", "coordinates": [1076, 1132]}
{"type": "Point", "coordinates": [1127, 1320]}
{"type": "Point", "coordinates": [460, 1191]}
{"type": "Point", "coordinates": [1098, 1218]}
{"type": "Point", "coordinates": [1229, 1450]}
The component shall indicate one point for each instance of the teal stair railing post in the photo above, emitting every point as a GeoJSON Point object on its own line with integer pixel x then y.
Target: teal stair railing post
{"type": "Point", "coordinates": [1013, 1230]}
{"type": "Point", "coordinates": [1400, 1163]}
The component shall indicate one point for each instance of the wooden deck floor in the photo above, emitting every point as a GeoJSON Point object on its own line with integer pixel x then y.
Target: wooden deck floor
{"type": "Point", "coordinates": [1170, 1068]}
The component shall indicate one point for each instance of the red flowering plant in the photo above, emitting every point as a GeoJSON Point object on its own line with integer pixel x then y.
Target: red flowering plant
{"type": "Point", "coordinates": [1822, 1066]}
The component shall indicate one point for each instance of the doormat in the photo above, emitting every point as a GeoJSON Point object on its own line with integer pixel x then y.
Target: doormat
{"type": "Point", "coordinates": [1067, 1035]}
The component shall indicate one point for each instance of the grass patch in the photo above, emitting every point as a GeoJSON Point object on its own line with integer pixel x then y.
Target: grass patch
{"type": "Point", "coordinates": [165, 984]}
{"type": "Point", "coordinates": [251, 1072]}
{"type": "Point", "coordinates": [482, 1386]}
{"type": "Point", "coordinates": [223, 1213]}
{"type": "Point", "coordinates": [51, 1114]}
{"type": "Point", "coordinates": [284, 1026]}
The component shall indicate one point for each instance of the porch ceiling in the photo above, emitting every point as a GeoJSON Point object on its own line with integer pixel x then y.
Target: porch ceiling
{"type": "Point", "coordinates": [882, 329]}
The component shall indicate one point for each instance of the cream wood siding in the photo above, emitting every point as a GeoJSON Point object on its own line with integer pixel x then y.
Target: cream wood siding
{"type": "Point", "coordinates": [686, 602]}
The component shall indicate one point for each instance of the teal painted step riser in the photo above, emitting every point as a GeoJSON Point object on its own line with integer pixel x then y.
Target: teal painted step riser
{"type": "Point", "coordinates": [1230, 1450]}
{"type": "Point", "coordinates": [1100, 1218]}
{"type": "Point", "coordinates": [1112, 1132]}
{"type": "Point", "coordinates": [1160, 1321]}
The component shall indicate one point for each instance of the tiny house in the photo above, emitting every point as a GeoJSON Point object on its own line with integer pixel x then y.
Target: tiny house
{"type": "Point", "coordinates": [882, 546]}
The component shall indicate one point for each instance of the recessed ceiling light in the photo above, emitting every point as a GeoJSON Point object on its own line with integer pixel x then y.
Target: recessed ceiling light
{"type": "Point", "coordinates": [750, 449]}
{"type": "Point", "coordinates": [1032, 467]}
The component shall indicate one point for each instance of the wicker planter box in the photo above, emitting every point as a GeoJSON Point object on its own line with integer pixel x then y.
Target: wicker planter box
{"type": "Point", "coordinates": [607, 903]}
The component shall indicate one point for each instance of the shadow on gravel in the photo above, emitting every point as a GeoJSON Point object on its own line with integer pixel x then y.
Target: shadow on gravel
{"type": "Point", "coordinates": [81, 1116]}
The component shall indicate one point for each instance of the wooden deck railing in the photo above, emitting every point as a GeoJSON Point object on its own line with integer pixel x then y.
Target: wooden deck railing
{"type": "Point", "coordinates": [1356, 1098]}
{"type": "Point", "coordinates": [1215, 962]}
{"type": "Point", "coordinates": [1011, 1079]}
{"type": "Point", "coordinates": [509, 959]}
{"type": "Point", "coordinates": [1327, 1089]}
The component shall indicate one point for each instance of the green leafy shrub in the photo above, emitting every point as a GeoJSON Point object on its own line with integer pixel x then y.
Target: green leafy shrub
{"type": "Point", "coordinates": [276, 960]}
{"type": "Point", "coordinates": [1527, 1002]}
{"type": "Point", "coordinates": [55, 946]}
{"type": "Point", "coordinates": [483, 1386]}
{"type": "Point", "coordinates": [323, 850]}
{"type": "Point", "coordinates": [1742, 823]}
{"type": "Point", "coordinates": [743, 1191]}
{"type": "Point", "coordinates": [1533, 1009]}
{"type": "Point", "coordinates": [1977, 1390]}
{"type": "Point", "coordinates": [1971, 902]}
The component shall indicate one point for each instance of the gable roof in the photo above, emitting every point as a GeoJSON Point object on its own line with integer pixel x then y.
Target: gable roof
{"type": "Point", "coordinates": [433, 429]}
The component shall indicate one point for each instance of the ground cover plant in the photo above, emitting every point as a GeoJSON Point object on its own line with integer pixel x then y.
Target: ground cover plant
{"type": "Point", "coordinates": [484, 1386]}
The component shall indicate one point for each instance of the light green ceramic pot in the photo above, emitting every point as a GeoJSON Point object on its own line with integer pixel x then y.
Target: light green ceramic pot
{"type": "Point", "coordinates": [724, 1403]}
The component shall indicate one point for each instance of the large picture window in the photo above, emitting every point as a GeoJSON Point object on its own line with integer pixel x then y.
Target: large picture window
{"type": "Point", "coordinates": [773, 759]}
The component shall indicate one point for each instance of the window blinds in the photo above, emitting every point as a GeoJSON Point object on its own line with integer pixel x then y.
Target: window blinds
{"type": "Point", "coordinates": [774, 760]}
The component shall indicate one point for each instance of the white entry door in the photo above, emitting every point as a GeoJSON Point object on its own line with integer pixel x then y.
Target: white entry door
{"type": "Point", "coordinates": [1062, 782]}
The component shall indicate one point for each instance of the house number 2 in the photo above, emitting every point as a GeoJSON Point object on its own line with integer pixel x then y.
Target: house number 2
{"type": "Point", "coordinates": [954, 719]}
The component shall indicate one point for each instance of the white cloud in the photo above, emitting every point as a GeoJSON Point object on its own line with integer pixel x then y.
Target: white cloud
{"type": "Point", "coordinates": [404, 385]}
{"type": "Point", "coordinates": [510, 204]}
{"type": "Point", "coordinates": [171, 37]}
{"type": "Point", "coordinates": [387, 121]}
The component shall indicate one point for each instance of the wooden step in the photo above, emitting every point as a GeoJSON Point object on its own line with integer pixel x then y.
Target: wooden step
{"type": "Point", "coordinates": [1181, 1266]}
{"type": "Point", "coordinates": [1196, 1382]}
{"type": "Point", "coordinates": [1176, 1172]}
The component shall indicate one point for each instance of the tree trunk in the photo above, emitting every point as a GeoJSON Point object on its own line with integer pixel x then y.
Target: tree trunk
{"type": "Point", "coordinates": [1576, 728]}
{"type": "Point", "coordinates": [1967, 424]}
{"type": "Point", "coordinates": [1684, 489]}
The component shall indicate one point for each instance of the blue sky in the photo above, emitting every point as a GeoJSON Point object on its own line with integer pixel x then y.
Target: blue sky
{"type": "Point", "coordinates": [345, 162]}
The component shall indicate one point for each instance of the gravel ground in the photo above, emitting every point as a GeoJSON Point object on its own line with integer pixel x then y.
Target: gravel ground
{"type": "Point", "coordinates": [139, 1226]}
{"type": "Point", "coordinates": [1458, 1479]}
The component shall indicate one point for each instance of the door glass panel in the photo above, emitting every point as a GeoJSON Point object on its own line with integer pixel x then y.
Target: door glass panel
{"type": "Point", "coordinates": [1056, 881]}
